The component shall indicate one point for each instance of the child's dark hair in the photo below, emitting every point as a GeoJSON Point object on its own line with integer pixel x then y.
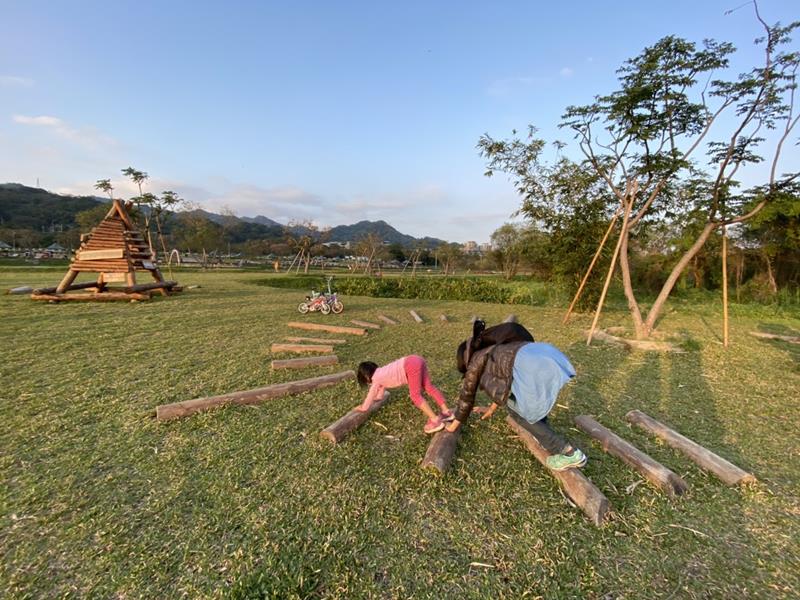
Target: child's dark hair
{"type": "Point", "coordinates": [365, 371]}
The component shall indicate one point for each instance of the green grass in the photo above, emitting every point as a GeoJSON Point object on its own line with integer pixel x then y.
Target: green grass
{"type": "Point", "coordinates": [100, 500]}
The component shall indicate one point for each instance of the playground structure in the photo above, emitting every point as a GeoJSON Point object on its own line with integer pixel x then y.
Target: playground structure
{"type": "Point", "coordinates": [115, 251]}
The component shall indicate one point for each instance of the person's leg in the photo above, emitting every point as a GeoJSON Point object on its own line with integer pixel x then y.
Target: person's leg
{"type": "Point", "coordinates": [544, 434]}
{"type": "Point", "coordinates": [414, 367]}
{"type": "Point", "coordinates": [431, 389]}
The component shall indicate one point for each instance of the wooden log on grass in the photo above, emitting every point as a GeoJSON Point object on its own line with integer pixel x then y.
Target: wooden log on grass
{"type": "Point", "coordinates": [652, 470]}
{"type": "Point", "coordinates": [315, 340]}
{"type": "Point", "coordinates": [189, 407]}
{"type": "Point", "coordinates": [704, 458]}
{"type": "Point", "coordinates": [386, 319]}
{"type": "Point", "coordinates": [441, 451]}
{"type": "Point", "coordinates": [337, 431]}
{"type": "Point", "coordinates": [414, 314]}
{"type": "Point", "coordinates": [576, 485]}
{"type": "Point", "coordinates": [511, 319]}
{"type": "Point", "coordinates": [102, 297]}
{"type": "Point", "coordinates": [75, 286]}
{"type": "Point", "coordinates": [443, 319]}
{"type": "Point", "coordinates": [143, 287]}
{"type": "Point", "coordinates": [328, 328]}
{"type": "Point", "coordinates": [300, 363]}
{"type": "Point", "coordinates": [299, 348]}
{"type": "Point", "coordinates": [792, 339]}
{"type": "Point", "coordinates": [366, 324]}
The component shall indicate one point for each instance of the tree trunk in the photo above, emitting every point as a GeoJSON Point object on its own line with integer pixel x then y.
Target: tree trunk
{"type": "Point", "coordinates": [627, 285]}
{"type": "Point", "coordinates": [666, 289]}
{"type": "Point", "coordinates": [773, 286]}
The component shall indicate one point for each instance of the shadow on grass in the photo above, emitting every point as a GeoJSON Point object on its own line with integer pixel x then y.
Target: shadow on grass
{"type": "Point", "coordinates": [793, 350]}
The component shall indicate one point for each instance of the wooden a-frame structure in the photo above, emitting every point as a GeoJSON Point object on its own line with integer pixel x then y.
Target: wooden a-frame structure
{"type": "Point", "coordinates": [115, 250]}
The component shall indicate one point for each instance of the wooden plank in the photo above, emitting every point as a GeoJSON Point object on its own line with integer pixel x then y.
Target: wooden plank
{"type": "Point", "coordinates": [328, 328]}
{"type": "Point", "coordinates": [301, 363]}
{"type": "Point", "coordinates": [511, 319]}
{"type": "Point", "coordinates": [316, 340]}
{"type": "Point", "coordinates": [386, 319]}
{"type": "Point", "coordinates": [414, 314]}
{"type": "Point", "coordinates": [576, 485]}
{"type": "Point", "coordinates": [101, 254]}
{"type": "Point", "coordinates": [113, 277]}
{"type": "Point", "coordinates": [190, 407]}
{"type": "Point", "coordinates": [704, 458]}
{"type": "Point", "coordinates": [338, 430]}
{"type": "Point", "coordinates": [298, 348]}
{"type": "Point", "coordinates": [774, 336]}
{"type": "Point", "coordinates": [440, 452]}
{"type": "Point", "coordinates": [366, 324]}
{"type": "Point", "coordinates": [652, 470]}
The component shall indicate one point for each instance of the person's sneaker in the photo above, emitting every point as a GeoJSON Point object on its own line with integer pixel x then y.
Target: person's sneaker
{"type": "Point", "coordinates": [446, 416]}
{"type": "Point", "coordinates": [433, 425]}
{"type": "Point", "coordinates": [562, 462]}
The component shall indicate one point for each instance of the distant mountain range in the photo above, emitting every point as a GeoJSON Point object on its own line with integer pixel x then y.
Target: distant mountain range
{"type": "Point", "coordinates": [33, 208]}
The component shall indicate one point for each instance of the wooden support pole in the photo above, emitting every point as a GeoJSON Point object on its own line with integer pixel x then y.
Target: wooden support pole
{"type": "Point", "coordinates": [704, 458]}
{"type": "Point", "coordinates": [441, 451]}
{"type": "Point", "coordinates": [316, 340]}
{"type": "Point", "coordinates": [99, 297]}
{"type": "Point", "coordinates": [725, 286]}
{"type": "Point", "coordinates": [414, 314]}
{"type": "Point", "coordinates": [300, 363]}
{"type": "Point", "coordinates": [386, 319]}
{"type": "Point", "coordinates": [66, 281]}
{"type": "Point", "coordinates": [189, 407]}
{"type": "Point", "coordinates": [337, 431]}
{"type": "Point", "coordinates": [366, 324]}
{"type": "Point", "coordinates": [577, 486]}
{"type": "Point", "coordinates": [628, 205]}
{"type": "Point", "coordinates": [792, 339]}
{"type": "Point", "coordinates": [591, 266]}
{"type": "Point", "coordinates": [653, 471]}
{"type": "Point", "coordinates": [511, 319]}
{"type": "Point", "coordinates": [328, 328]}
{"type": "Point", "coordinates": [299, 348]}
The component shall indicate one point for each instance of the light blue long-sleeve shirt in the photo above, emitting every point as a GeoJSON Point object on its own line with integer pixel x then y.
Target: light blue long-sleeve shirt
{"type": "Point", "coordinates": [540, 371]}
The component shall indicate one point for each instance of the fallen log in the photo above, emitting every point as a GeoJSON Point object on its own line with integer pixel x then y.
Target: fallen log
{"type": "Point", "coordinates": [300, 363]}
{"type": "Point", "coordinates": [143, 287]}
{"type": "Point", "coordinates": [100, 297]}
{"type": "Point", "coordinates": [704, 458]}
{"type": "Point", "coordinates": [337, 431]}
{"type": "Point", "coordinates": [653, 471]}
{"type": "Point", "coordinates": [510, 319]}
{"type": "Point", "coordinates": [576, 485]}
{"type": "Point", "coordinates": [298, 348]}
{"type": "Point", "coordinates": [25, 289]}
{"type": "Point", "coordinates": [414, 314]}
{"type": "Point", "coordinates": [792, 339]}
{"type": "Point", "coordinates": [189, 407]}
{"type": "Point", "coordinates": [75, 286]}
{"type": "Point", "coordinates": [366, 324]}
{"type": "Point", "coordinates": [316, 340]}
{"type": "Point", "coordinates": [440, 451]}
{"type": "Point", "coordinates": [386, 319]}
{"type": "Point", "coordinates": [328, 328]}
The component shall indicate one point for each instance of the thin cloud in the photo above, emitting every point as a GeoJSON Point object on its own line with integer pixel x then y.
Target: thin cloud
{"type": "Point", "coordinates": [86, 136]}
{"type": "Point", "coordinates": [566, 72]}
{"type": "Point", "coordinates": [507, 86]}
{"type": "Point", "coordinates": [14, 81]}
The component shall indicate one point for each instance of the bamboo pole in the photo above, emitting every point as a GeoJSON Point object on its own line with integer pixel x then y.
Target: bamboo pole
{"type": "Point", "coordinates": [189, 407]}
{"type": "Point", "coordinates": [702, 457]}
{"type": "Point", "coordinates": [338, 430]}
{"type": "Point", "coordinates": [725, 286]}
{"type": "Point", "coordinates": [591, 266]}
{"type": "Point", "coordinates": [628, 206]}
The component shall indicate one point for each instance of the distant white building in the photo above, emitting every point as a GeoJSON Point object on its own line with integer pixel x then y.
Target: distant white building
{"type": "Point", "coordinates": [470, 248]}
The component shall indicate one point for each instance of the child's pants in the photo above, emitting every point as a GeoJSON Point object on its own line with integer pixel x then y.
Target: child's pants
{"type": "Point", "coordinates": [418, 379]}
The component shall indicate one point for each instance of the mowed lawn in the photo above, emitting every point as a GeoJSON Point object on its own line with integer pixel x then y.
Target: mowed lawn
{"type": "Point", "coordinates": [98, 499]}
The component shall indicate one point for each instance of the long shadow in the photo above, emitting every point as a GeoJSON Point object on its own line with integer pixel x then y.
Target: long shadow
{"type": "Point", "coordinates": [793, 350]}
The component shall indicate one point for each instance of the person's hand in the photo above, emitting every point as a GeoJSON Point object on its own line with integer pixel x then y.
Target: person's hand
{"type": "Point", "coordinates": [453, 426]}
{"type": "Point", "coordinates": [360, 408]}
{"type": "Point", "coordinates": [479, 410]}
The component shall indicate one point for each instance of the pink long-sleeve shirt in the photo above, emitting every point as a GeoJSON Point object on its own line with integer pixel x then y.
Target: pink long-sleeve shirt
{"type": "Point", "coordinates": [386, 377]}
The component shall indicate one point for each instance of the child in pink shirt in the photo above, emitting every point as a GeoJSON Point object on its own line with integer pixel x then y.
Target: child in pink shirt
{"type": "Point", "coordinates": [409, 370]}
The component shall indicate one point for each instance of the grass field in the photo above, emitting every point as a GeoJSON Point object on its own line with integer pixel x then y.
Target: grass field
{"type": "Point", "coordinates": [100, 500]}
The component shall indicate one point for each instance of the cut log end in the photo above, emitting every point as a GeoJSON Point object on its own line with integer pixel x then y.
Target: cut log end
{"type": "Point", "coordinates": [440, 452]}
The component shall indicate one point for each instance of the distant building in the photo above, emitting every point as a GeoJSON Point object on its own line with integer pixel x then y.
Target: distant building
{"type": "Point", "coordinates": [485, 247]}
{"type": "Point", "coordinates": [470, 248]}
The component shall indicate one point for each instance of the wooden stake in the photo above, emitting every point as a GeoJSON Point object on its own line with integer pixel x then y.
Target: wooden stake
{"type": "Point", "coordinates": [299, 348]}
{"type": "Point", "coordinates": [591, 266]}
{"type": "Point", "coordinates": [440, 451]}
{"type": "Point", "coordinates": [725, 286]}
{"type": "Point", "coordinates": [316, 340]}
{"type": "Point", "coordinates": [704, 458]}
{"type": "Point", "coordinates": [386, 319]}
{"type": "Point", "coordinates": [328, 328]}
{"type": "Point", "coordinates": [580, 490]}
{"type": "Point", "coordinates": [366, 324]}
{"type": "Point", "coordinates": [628, 205]}
{"type": "Point", "coordinates": [300, 363]}
{"type": "Point", "coordinates": [189, 407]}
{"type": "Point", "coordinates": [337, 431]}
{"type": "Point", "coordinates": [653, 471]}
{"type": "Point", "coordinates": [414, 314]}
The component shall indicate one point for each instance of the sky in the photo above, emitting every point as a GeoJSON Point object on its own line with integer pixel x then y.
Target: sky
{"type": "Point", "coordinates": [333, 112]}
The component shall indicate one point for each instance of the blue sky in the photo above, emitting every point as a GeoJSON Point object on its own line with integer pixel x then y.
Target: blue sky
{"type": "Point", "coordinates": [330, 111]}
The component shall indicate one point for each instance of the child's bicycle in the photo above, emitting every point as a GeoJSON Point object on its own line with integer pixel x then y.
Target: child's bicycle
{"type": "Point", "coordinates": [332, 299]}
{"type": "Point", "coordinates": [322, 302]}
